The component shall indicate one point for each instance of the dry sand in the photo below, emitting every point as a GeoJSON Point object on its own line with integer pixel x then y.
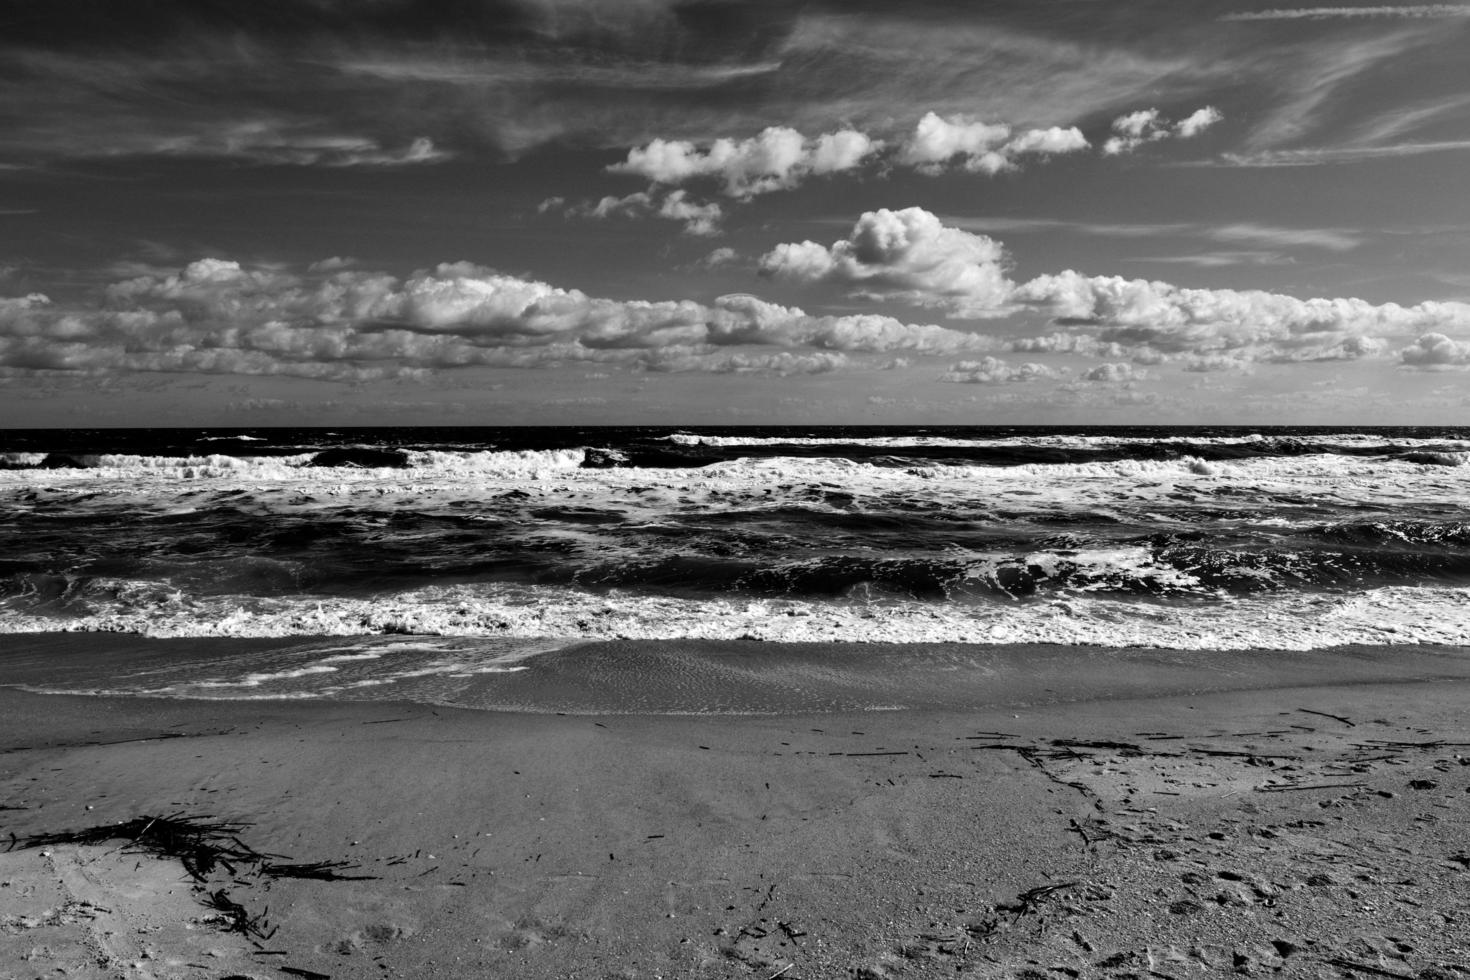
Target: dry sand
{"type": "Point", "coordinates": [1294, 815]}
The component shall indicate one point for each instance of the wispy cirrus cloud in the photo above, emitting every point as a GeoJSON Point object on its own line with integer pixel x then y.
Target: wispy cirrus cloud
{"type": "Point", "coordinates": [1318, 156]}
{"type": "Point", "coordinates": [1412, 10]}
{"type": "Point", "coordinates": [504, 76]}
{"type": "Point", "coordinates": [1235, 233]}
{"type": "Point", "coordinates": [1323, 83]}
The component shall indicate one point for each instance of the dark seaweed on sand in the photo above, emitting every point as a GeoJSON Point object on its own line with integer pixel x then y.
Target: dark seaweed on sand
{"type": "Point", "coordinates": [200, 842]}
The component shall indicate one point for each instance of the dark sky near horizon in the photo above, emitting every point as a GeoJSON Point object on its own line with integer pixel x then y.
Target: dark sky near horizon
{"type": "Point", "coordinates": [569, 211]}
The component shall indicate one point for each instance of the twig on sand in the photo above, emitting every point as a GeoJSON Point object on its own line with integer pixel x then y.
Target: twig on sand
{"type": "Point", "coordinates": [783, 969]}
{"type": "Point", "coordinates": [317, 871]}
{"type": "Point", "coordinates": [1287, 789]}
{"type": "Point", "coordinates": [1325, 714]}
{"type": "Point", "coordinates": [296, 971]}
{"type": "Point", "coordinates": [1365, 968]}
{"type": "Point", "coordinates": [1030, 900]}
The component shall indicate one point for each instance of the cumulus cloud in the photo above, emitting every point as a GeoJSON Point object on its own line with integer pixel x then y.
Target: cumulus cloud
{"type": "Point", "coordinates": [939, 142]}
{"type": "Point", "coordinates": [218, 316]}
{"type": "Point", "coordinates": [719, 257]}
{"type": "Point", "coordinates": [1135, 129]}
{"type": "Point", "coordinates": [911, 256]}
{"type": "Point", "coordinates": [1211, 363]}
{"type": "Point", "coordinates": [780, 158]}
{"type": "Point", "coordinates": [1435, 350]}
{"type": "Point", "coordinates": [994, 371]}
{"type": "Point", "coordinates": [1273, 326]}
{"type": "Point", "coordinates": [1114, 373]}
{"type": "Point", "coordinates": [777, 159]}
{"type": "Point", "coordinates": [906, 255]}
{"type": "Point", "coordinates": [699, 219]}
{"type": "Point", "coordinates": [1197, 122]}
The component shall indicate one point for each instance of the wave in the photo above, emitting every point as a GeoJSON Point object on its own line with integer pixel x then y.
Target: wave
{"type": "Point", "coordinates": [794, 457]}
{"type": "Point", "coordinates": [1162, 567]}
{"type": "Point", "coordinates": [332, 464]}
{"type": "Point", "coordinates": [1256, 441]}
{"type": "Point", "coordinates": [1396, 532]}
{"type": "Point", "coordinates": [1390, 615]}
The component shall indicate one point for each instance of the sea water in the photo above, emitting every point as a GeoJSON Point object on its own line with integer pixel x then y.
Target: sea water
{"type": "Point", "coordinates": [1195, 539]}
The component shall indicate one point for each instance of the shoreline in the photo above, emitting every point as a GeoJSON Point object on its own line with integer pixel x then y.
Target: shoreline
{"type": "Point", "coordinates": [1178, 820]}
{"type": "Point", "coordinates": [682, 677]}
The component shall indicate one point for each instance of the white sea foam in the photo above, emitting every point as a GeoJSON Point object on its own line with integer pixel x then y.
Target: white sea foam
{"type": "Point", "coordinates": [1344, 440]}
{"type": "Point", "coordinates": [429, 471]}
{"type": "Point", "coordinates": [518, 465]}
{"type": "Point", "coordinates": [1293, 621]}
{"type": "Point", "coordinates": [257, 679]}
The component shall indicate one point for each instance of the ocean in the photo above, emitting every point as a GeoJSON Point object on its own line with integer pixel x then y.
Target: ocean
{"type": "Point", "coordinates": [461, 552]}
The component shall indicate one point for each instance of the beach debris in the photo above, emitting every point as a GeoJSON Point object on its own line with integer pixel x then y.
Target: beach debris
{"type": "Point", "coordinates": [1031, 899]}
{"type": "Point", "coordinates": [204, 846]}
{"type": "Point", "coordinates": [236, 918]}
{"type": "Point", "coordinates": [1325, 714]}
{"type": "Point", "coordinates": [316, 871]}
{"type": "Point", "coordinates": [1376, 971]}
{"type": "Point", "coordinates": [201, 843]}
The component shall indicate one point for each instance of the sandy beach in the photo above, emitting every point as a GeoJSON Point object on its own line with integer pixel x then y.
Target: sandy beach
{"type": "Point", "coordinates": [1028, 812]}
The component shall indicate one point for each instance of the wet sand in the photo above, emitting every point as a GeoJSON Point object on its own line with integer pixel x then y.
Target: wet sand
{"type": "Point", "coordinates": [1031, 812]}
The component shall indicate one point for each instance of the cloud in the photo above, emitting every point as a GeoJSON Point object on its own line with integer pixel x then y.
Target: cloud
{"type": "Point", "coordinates": [1197, 122]}
{"type": "Point", "coordinates": [994, 371]}
{"type": "Point", "coordinates": [1114, 374]}
{"type": "Point", "coordinates": [722, 256]}
{"type": "Point", "coordinates": [1324, 80]}
{"type": "Point", "coordinates": [219, 316]}
{"type": "Point", "coordinates": [906, 255]}
{"type": "Point", "coordinates": [1335, 240]}
{"type": "Point", "coordinates": [273, 143]}
{"type": "Point", "coordinates": [777, 159]}
{"type": "Point", "coordinates": [936, 141]}
{"type": "Point", "coordinates": [702, 220]}
{"type": "Point", "coordinates": [1252, 233]}
{"type": "Point", "coordinates": [1150, 126]}
{"type": "Point", "coordinates": [781, 363]}
{"type": "Point", "coordinates": [1435, 350]}
{"type": "Point", "coordinates": [781, 158]}
{"type": "Point", "coordinates": [1329, 155]}
{"type": "Point", "coordinates": [911, 256]}
{"type": "Point", "coordinates": [1220, 259]}
{"type": "Point", "coordinates": [1325, 13]}
{"type": "Point", "coordinates": [1269, 326]}
{"type": "Point", "coordinates": [979, 147]}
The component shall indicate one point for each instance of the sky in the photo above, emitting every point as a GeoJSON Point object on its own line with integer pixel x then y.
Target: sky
{"type": "Point", "coordinates": [685, 212]}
